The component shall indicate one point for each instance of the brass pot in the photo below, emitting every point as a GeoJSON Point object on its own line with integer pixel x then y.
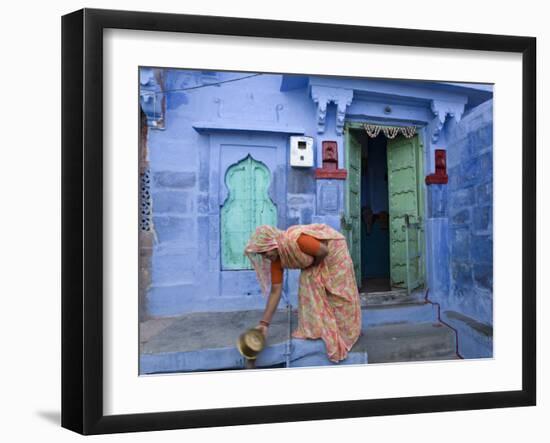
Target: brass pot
{"type": "Point", "coordinates": [251, 343]}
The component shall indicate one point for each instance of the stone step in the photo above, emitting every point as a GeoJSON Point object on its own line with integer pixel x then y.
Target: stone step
{"type": "Point", "coordinates": [206, 341]}
{"type": "Point", "coordinates": [396, 307]}
{"type": "Point", "coordinates": [390, 298]}
{"type": "Point", "coordinates": [408, 313]}
{"type": "Point", "coordinates": [409, 342]}
{"type": "Point", "coordinates": [303, 353]}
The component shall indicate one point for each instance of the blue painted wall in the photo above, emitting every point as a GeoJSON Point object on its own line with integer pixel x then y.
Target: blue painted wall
{"type": "Point", "coordinates": [468, 200]}
{"type": "Point", "coordinates": [205, 127]}
{"type": "Point", "coordinates": [205, 133]}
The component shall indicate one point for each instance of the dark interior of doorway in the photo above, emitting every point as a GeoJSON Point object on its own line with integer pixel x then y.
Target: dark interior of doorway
{"type": "Point", "coordinates": [375, 240]}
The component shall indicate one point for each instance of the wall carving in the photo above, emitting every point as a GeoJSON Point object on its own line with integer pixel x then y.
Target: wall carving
{"type": "Point", "coordinates": [441, 110]}
{"type": "Point", "coordinates": [322, 96]}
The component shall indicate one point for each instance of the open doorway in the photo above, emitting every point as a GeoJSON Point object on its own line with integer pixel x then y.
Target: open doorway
{"type": "Point", "coordinates": [383, 220]}
{"type": "Point", "coordinates": [375, 237]}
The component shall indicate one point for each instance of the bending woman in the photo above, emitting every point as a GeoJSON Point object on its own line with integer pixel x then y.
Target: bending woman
{"type": "Point", "coordinates": [328, 299]}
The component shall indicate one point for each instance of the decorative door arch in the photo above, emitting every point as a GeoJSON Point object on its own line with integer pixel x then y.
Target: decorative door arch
{"type": "Point", "coordinates": [247, 206]}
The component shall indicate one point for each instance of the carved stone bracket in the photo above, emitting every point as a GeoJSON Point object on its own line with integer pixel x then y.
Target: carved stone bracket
{"type": "Point", "coordinates": [322, 96]}
{"type": "Point", "coordinates": [152, 97]}
{"type": "Point", "coordinates": [441, 110]}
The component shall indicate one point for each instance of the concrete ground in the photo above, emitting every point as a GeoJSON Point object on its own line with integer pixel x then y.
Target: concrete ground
{"type": "Point", "coordinates": [396, 328]}
{"type": "Point", "coordinates": [204, 330]}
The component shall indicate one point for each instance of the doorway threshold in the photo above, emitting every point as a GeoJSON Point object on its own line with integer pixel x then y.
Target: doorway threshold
{"type": "Point", "coordinates": [393, 297]}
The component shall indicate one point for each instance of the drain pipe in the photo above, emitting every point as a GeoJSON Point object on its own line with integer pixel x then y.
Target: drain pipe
{"type": "Point", "coordinates": [427, 300]}
{"type": "Point", "coordinates": [288, 342]}
{"type": "Point", "coordinates": [288, 321]}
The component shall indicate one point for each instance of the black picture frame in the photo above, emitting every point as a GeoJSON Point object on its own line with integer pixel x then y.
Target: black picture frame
{"type": "Point", "coordinates": [82, 215]}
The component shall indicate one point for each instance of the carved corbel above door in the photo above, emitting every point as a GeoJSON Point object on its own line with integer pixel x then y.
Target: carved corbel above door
{"type": "Point", "coordinates": [441, 110]}
{"type": "Point", "coordinates": [322, 96]}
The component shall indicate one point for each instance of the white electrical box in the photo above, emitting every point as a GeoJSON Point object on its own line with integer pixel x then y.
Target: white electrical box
{"type": "Point", "coordinates": [301, 151]}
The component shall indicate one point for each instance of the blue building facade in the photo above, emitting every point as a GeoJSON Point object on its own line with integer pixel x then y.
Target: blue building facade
{"type": "Point", "coordinates": [202, 128]}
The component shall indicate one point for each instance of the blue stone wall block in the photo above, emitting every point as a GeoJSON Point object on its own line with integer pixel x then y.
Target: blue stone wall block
{"type": "Point", "coordinates": [173, 179]}
{"type": "Point", "coordinates": [330, 197]}
{"type": "Point", "coordinates": [171, 228]}
{"type": "Point", "coordinates": [300, 208]}
{"type": "Point", "coordinates": [329, 202]}
{"type": "Point", "coordinates": [331, 220]}
{"type": "Point", "coordinates": [437, 257]}
{"type": "Point", "coordinates": [437, 201]}
{"type": "Point", "coordinates": [166, 301]}
{"type": "Point", "coordinates": [172, 202]}
{"type": "Point", "coordinates": [301, 180]}
{"type": "Point", "coordinates": [470, 201]}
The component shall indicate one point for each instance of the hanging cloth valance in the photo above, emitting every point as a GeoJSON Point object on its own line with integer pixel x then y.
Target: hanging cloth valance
{"type": "Point", "coordinates": [390, 131]}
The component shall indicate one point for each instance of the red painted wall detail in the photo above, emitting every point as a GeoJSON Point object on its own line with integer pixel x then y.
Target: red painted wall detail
{"type": "Point", "coordinates": [440, 176]}
{"type": "Point", "coordinates": [330, 163]}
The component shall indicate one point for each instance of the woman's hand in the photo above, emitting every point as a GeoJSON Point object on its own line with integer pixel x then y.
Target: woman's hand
{"type": "Point", "coordinates": [270, 307]}
{"type": "Point", "coordinates": [262, 329]}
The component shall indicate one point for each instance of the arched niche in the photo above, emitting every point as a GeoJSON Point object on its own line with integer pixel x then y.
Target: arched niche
{"type": "Point", "coordinates": [247, 206]}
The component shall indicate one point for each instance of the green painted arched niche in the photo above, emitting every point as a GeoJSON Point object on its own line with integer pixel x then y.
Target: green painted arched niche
{"type": "Point", "coordinates": [247, 206]}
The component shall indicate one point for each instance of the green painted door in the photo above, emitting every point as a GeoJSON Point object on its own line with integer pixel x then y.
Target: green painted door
{"type": "Point", "coordinates": [405, 207]}
{"type": "Point", "coordinates": [247, 206]}
{"type": "Point", "coordinates": [351, 223]}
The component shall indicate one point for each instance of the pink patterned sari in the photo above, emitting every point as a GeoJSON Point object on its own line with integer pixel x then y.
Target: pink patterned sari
{"type": "Point", "coordinates": [328, 299]}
